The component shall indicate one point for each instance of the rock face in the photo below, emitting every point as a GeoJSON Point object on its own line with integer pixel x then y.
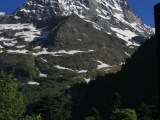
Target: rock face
{"type": "Point", "coordinates": [4, 18]}
{"type": "Point", "coordinates": [65, 43]}
{"type": "Point", "coordinates": [111, 16]}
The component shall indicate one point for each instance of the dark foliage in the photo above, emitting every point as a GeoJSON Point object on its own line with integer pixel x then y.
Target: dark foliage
{"type": "Point", "coordinates": [115, 102]}
{"type": "Point", "coordinates": [48, 108]}
{"type": "Point", "coordinates": [136, 83]}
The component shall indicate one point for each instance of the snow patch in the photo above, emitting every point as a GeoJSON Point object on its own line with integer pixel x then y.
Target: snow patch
{"type": "Point", "coordinates": [25, 10]}
{"type": "Point", "coordinates": [87, 79]}
{"type": "Point", "coordinates": [97, 10]}
{"type": "Point", "coordinates": [103, 65]}
{"type": "Point", "coordinates": [63, 68]}
{"type": "Point", "coordinates": [33, 83]}
{"type": "Point", "coordinates": [105, 3]}
{"type": "Point", "coordinates": [1, 46]}
{"type": "Point", "coordinates": [60, 52]}
{"type": "Point", "coordinates": [17, 51]}
{"type": "Point", "coordinates": [9, 44]}
{"type": "Point", "coordinates": [16, 17]}
{"type": "Point", "coordinates": [127, 54]}
{"type": "Point", "coordinates": [45, 60]}
{"type": "Point", "coordinates": [79, 39]}
{"type": "Point", "coordinates": [42, 75]}
{"type": "Point", "coordinates": [38, 47]}
{"type": "Point", "coordinates": [21, 46]}
{"type": "Point", "coordinates": [126, 35]}
{"type": "Point", "coordinates": [104, 17]}
{"type": "Point", "coordinates": [131, 47]}
{"type": "Point", "coordinates": [94, 25]}
{"type": "Point", "coordinates": [81, 71]}
{"type": "Point", "coordinates": [2, 13]}
{"type": "Point", "coordinates": [109, 33]}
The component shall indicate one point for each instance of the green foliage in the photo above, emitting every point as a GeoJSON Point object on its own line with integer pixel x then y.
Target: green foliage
{"type": "Point", "coordinates": [11, 101]}
{"type": "Point", "coordinates": [94, 73]}
{"type": "Point", "coordinates": [123, 114]}
{"type": "Point", "coordinates": [70, 74]}
{"type": "Point", "coordinates": [77, 79]}
{"type": "Point", "coordinates": [19, 65]}
{"type": "Point", "coordinates": [32, 117]}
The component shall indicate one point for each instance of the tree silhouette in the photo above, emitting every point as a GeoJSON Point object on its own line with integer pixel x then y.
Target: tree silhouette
{"type": "Point", "coordinates": [115, 102]}
{"type": "Point", "coordinates": [48, 108]}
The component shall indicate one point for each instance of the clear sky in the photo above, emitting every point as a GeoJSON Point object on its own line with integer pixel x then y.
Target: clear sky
{"type": "Point", "coordinates": [9, 6]}
{"type": "Point", "coordinates": [144, 9]}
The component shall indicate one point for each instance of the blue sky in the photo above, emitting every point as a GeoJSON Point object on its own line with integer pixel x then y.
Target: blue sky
{"type": "Point", "coordinates": [142, 8]}
{"type": "Point", "coordinates": [9, 6]}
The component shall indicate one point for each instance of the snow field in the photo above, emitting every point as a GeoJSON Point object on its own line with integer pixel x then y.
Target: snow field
{"type": "Point", "coordinates": [32, 34]}
{"type": "Point", "coordinates": [126, 35]}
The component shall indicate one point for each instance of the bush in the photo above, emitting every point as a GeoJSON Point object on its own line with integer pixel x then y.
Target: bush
{"type": "Point", "coordinates": [123, 114]}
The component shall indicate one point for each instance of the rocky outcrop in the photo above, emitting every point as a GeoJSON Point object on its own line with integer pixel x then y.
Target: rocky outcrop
{"type": "Point", "coordinates": [4, 18]}
{"type": "Point", "coordinates": [103, 14]}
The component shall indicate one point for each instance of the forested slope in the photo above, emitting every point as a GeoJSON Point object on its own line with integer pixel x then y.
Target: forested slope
{"type": "Point", "coordinates": [135, 82]}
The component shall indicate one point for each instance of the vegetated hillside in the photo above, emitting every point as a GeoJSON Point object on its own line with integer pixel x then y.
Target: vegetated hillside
{"type": "Point", "coordinates": [20, 66]}
{"type": "Point", "coordinates": [72, 44]}
{"type": "Point", "coordinates": [136, 83]}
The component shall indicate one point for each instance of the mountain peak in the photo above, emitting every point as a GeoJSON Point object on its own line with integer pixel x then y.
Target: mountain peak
{"type": "Point", "coordinates": [104, 14]}
{"type": "Point", "coordinates": [91, 31]}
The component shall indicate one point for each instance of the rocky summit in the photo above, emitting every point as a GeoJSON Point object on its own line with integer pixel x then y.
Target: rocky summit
{"type": "Point", "coordinates": [46, 38]}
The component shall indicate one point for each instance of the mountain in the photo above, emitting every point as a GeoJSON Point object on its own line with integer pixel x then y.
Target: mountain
{"type": "Point", "coordinates": [136, 83]}
{"type": "Point", "coordinates": [72, 49]}
{"type": "Point", "coordinates": [53, 36]}
{"type": "Point", "coordinates": [112, 17]}
{"type": "Point", "coordinates": [72, 44]}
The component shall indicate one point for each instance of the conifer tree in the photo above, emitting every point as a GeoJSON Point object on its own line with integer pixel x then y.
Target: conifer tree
{"type": "Point", "coordinates": [115, 102]}
{"type": "Point", "coordinates": [93, 115]}
{"type": "Point", "coordinates": [48, 108]}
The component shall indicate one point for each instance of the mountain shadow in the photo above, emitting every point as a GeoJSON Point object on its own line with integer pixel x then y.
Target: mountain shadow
{"type": "Point", "coordinates": [136, 82]}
